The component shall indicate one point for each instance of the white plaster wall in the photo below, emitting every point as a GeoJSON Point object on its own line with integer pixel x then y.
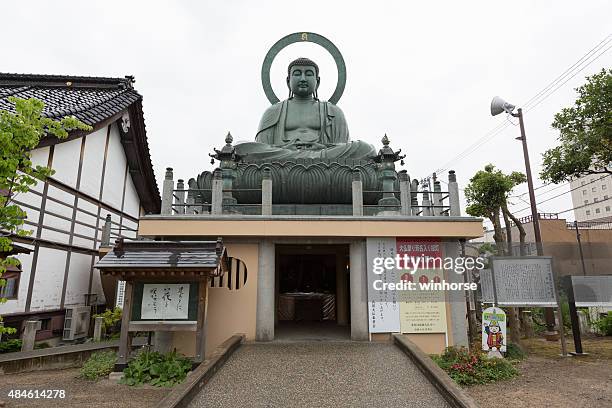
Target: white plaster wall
{"type": "Point", "coordinates": [96, 283]}
{"type": "Point", "coordinates": [66, 161]}
{"type": "Point", "coordinates": [131, 226]}
{"type": "Point", "coordinates": [18, 305]}
{"type": "Point", "coordinates": [88, 231]}
{"type": "Point", "coordinates": [78, 279]}
{"type": "Point", "coordinates": [40, 156]}
{"type": "Point", "coordinates": [131, 205]}
{"type": "Point", "coordinates": [56, 222]}
{"type": "Point", "coordinates": [49, 279]}
{"type": "Point", "coordinates": [93, 159]}
{"type": "Point", "coordinates": [51, 262]}
{"type": "Point", "coordinates": [115, 170]}
{"type": "Point", "coordinates": [31, 215]}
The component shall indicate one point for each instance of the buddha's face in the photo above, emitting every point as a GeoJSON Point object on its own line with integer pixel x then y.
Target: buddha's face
{"type": "Point", "coordinates": [303, 80]}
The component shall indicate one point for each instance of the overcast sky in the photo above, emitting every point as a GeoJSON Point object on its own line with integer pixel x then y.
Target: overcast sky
{"type": "Point", "coordinates": [424, 73]}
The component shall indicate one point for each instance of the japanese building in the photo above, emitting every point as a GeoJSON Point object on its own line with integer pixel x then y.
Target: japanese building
{"type": "Point", "coordinates": [104, 172]}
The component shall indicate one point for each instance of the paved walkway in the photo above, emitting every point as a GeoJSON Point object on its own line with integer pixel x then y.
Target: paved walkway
{"type": "Point", "coordinates": [319, 374]}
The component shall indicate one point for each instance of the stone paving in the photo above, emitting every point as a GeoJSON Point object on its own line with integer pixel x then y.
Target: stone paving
{"type": "Point", "coordinates": [319, 374]}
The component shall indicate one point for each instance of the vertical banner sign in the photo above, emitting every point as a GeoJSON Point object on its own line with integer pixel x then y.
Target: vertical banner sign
{"type": "Point", "coordinates": [120, 294]}
{"type": "Point", "coordinates": [493, 329]}
{"type": "Point", "coordinates": [383, 307]}
{"type": "Point", "coordinates": [422, 311]}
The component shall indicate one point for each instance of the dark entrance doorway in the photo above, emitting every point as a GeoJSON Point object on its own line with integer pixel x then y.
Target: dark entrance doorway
{"type": "Point", "coordinates": [312, 292]}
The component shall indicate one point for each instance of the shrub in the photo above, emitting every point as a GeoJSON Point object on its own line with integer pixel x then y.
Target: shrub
{"type": "Point", "coordinates": [99, 364]}
{"type": "Point", "coordinates": [514, 352]}
{"type": "Point", "coordinates": [161, 370]}
{"type": "Point", "coordinates": [110, 324]}
{"type": "Point", "coordinates": [604, 325]}
{"type": "Point", "coordinates": [43, 345]}
{"type": "Point", "coordinates": [469, 368]}
{"type": "Point", "coordinates": [10, 346]}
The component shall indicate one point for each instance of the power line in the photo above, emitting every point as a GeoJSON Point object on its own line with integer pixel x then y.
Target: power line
{"type": "Point", "coordinates": [536, 99]}
{"type": "Point", "coordinates": [590, 52]}
{"type": "Point", "coordinates": [541, 193]}
{"type": "Point", "coordinates": [567, 192]}
{"type": "Point", "coordinates": [585, 205]}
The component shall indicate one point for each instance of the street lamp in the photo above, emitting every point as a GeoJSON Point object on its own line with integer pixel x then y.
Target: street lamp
{"type": "Point", "coordinates": [498, 105]}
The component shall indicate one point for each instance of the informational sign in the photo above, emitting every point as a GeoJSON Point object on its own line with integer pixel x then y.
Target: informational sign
{"type": "Point", "coordinates": [405, 311]}
{"type": "Point", "coordinates": [494, 329]}
{"type": "Point", "coordinates": [592, 291]}
{"type": "Point", "coordinates": [120, 294]}
{"type": "Point", "coordinates": [519, 281]}
{"type": "Point", "coordinates": [383, 306]}
{"type": "Point", "coordinates": [422, 311]}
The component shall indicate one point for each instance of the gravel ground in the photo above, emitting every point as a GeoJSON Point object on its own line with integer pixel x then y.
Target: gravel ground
{"type": "Point", "coordinates": [548, 380]}
{"type": "Point", "coordinates": [79, 393]}
{"type": "Point", "coordinates": [324, 374]}
{"type": "Point", "coordinates": [570, 382]}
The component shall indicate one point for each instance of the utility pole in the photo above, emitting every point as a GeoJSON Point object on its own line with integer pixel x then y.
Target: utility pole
{"type": "Point", "coordinates": [580, 247]}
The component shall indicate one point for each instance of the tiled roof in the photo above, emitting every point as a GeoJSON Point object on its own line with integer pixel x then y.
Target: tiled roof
{"type": "Point", "coordinates": [91, 100]}
{"type": "Point", "coordinates": [94, 101]}
{"type": "Point", "coordinates": [150, 255]}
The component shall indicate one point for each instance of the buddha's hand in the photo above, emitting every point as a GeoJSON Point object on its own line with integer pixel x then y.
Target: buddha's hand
{"type": "Point", "coordinates": [299, 145]}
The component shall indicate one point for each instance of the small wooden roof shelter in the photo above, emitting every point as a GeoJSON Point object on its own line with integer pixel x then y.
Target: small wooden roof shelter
{"type": "Point", "coordinates": [138, 262]}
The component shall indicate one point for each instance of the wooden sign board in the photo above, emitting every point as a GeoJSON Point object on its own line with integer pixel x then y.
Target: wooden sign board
{"type": "Point", "coordinates": [155, 301]}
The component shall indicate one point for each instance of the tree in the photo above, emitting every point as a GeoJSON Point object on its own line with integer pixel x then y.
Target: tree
{"type": "Point", "coordinates": [20, 132]}
{"type": "Point", "coordinates": [585, 133]}
{"type": "Point", "coordinates": [487, 196]}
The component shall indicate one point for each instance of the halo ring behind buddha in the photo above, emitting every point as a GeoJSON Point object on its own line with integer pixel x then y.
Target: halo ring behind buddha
{"type": "Point", "coordinates": [303, 37]}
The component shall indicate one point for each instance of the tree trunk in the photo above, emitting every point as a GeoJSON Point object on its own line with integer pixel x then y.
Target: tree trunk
{"type": "Point", "coordinates": [519, 226]}
{"type": "Point", "coordinates": [498, 235]}
{"type": "Point", "coordinates": [508, 230]}
{"type": "Point", "coordinates": [513, 319]}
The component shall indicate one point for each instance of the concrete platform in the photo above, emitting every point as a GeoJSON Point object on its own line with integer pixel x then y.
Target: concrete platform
{"type": "Point", "coordinates": [319, 374]}
{"type": "Point", "coordinates": [311, 331]}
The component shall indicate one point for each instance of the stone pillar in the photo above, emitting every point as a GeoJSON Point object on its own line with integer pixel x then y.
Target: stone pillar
{"type": "Point", "coordinates": [106, 232]}
{"type": "Point", "coordinates": [162, 341]}
{"type": "Point", "coordinates": [414, 197]}
{"type": "Point", "coordinates": [359, 297]}
{"type": "Point", "coordinates": [437, 198]}
{"type": "Point", "coordinates": [217, 193]}
{"type": "Point", "coordinates": [167, 192]}
{"type": "Point", "coordinates": [264, 326]}
{"type": "Point", "coordinates": [404, 182]}
{"type": "Point", "coordinates": [180, 194]}
{"type": "Point", "coordinates": [357, 188]}
{"type": "Point", "coordinates": [426, 203]}
{"type": "Point", "coordinates": [266, 192]}
{"type": "Point", "coordinates": [190, 208]}
{"type": "Point", "coordinates": [453, 194]}
{"type": "Point", "coordinates": [527, 324]}
{"type": "Point", "coordinates": [456, 299]}
{"type": "Point", "coordinates": [29, 335]}
{"type": "Point", "coordinates": [98, 322]}
{"type": "Point", "coordinates": [228, 175]}
{"type": "Point", "coordinates": [341, 290]}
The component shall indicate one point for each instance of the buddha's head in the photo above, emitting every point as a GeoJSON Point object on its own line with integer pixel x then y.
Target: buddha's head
{"type": "Point", "coordinates": [303, 78]}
